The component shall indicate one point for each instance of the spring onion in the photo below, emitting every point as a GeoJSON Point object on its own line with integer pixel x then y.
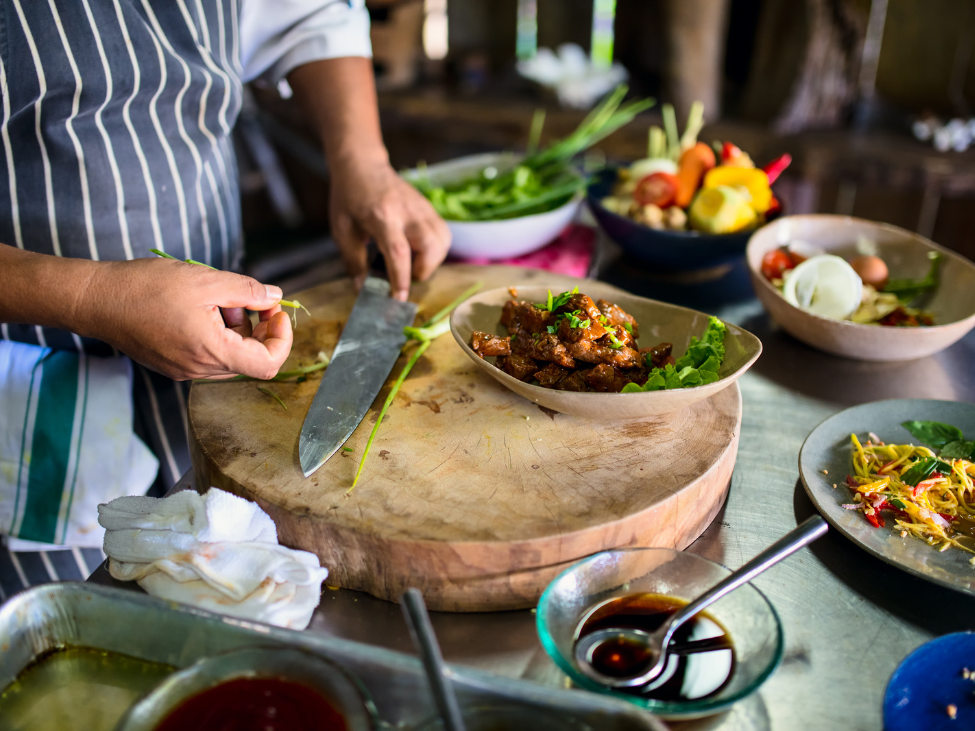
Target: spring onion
{"type": "Point", "coordinates": [425, 334]}
{"type": "Point", "coordinates": [542, 181]}
{"type": "Point", "coordinates": [293, 304]}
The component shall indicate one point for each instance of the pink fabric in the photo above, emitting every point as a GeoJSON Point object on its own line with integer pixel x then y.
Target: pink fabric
{"type": "Point", "coordinates": [569, 254]}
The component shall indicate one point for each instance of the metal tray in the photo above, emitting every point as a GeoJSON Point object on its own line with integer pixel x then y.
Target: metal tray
{"type": "Point", "coordinates": [74, 614]}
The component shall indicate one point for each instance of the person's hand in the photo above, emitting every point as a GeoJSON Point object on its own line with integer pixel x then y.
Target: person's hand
{"type": "Point", "coordinates": [167, 315]}
{"type": "Point", "coordinates": [369, 200]}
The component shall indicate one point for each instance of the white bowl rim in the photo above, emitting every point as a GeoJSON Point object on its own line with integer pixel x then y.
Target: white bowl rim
{"type": "Point", "coordinates": [757, 274]}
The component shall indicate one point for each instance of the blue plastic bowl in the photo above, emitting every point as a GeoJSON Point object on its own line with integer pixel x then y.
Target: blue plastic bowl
{"type": "Point", "coordinates": [927, 681]}
{"type": "Point", "coordinates": [675, 251]}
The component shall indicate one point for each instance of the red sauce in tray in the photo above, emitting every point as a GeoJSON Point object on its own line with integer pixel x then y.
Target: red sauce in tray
{"type": "Point", "coordinates": [255, 704]}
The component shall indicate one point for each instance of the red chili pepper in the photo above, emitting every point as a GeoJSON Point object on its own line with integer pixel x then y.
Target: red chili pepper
{"type": "Point", "coordinates": [774, 208]}
{"type": "Point", "coordinates": [949, 518]}
{"type": "Point", "coordinates": [730, 151]}
{"type": "Point", "coordinates": [774, 169]}
{"type": "Point", "coordinates": [875, 520]}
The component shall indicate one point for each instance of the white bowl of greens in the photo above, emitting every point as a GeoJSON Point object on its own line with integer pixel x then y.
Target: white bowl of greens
{"type": "Point", "coordinates": [501, 237]}
{"type": "Point", "coordinates": [500, 205]}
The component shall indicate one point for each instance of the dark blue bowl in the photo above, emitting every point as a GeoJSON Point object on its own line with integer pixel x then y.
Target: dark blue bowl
{"type": "Point", "coordinates": [927, 681]}
{"type": "Point", "coordinates": [675, 251]}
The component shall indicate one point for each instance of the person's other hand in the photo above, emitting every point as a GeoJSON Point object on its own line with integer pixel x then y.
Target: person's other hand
{"type": "Point", "coordinates": [369, 200]}
{"type": "Point", "coordinates": [186, 321]}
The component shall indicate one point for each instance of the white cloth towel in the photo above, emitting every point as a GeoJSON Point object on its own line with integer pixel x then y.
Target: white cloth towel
{"type": "Point", "coordinates": [216, 551]}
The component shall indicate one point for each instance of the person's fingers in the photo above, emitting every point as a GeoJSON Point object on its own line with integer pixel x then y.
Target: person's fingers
{"type": "Point", "coordinates": [352, 246]}
{"type": "Point", "coordinates": [237, 320]}
{"type": "Point", "coordinates": [236, 290]}
{"type": "Point", "coordinates": [395, 248]}
{"type": "Point", "coordinates": [265, 315]}
{"type": "Point", "coordinates": [257, 359]}
{"type": "Point", "coordinates": [429, 249]}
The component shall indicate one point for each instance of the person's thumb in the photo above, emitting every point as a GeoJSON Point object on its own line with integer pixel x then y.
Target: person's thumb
{"type": "Point", "coordinates": [236, 290]}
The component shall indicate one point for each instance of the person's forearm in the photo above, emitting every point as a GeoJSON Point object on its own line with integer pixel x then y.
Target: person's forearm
{"type": "Point", "coordinates": [340, 96]}
{"type": "Point", "coordinates": [36, 289]}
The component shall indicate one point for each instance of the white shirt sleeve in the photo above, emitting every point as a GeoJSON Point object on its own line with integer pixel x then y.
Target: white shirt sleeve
{"type": "Point", "coordinates": [277, 36]}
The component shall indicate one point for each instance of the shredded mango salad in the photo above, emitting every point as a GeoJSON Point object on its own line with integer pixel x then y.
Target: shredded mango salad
{"type": "Point", "coordinates": [930, 497]}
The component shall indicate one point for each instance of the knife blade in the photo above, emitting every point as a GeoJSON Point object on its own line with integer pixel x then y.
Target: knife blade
{"type": "Point", "coordinates": [364, 356]}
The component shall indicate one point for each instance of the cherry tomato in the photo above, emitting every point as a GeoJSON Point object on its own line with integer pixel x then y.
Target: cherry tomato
{"type": "Point", "coordinates": [657, 189]}
{"type": "Point", "coordinates": [775, 262]}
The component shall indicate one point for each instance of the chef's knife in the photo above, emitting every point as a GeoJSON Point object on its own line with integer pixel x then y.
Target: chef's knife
{"type": "Point", "coordinates": [365, 354]}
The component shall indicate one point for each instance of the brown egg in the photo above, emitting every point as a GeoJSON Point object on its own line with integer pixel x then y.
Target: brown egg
{"type": "Point", "coordinates": [872, 270]}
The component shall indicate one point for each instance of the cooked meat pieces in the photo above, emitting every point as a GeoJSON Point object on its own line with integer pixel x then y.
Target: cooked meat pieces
{"type": "Point", "coordinates": [590, 352]}
{"type": "Point", "coordinates": [573, 382]}
{"type": "Point", "coordinates": [605, 379]}
{"type": "Point", "coordinates": [551, 375]}
{"type": "Point", "coordinates": [569, 334]}
{"type": "Point", "coordinates": [616, 316]}
{"type": "Point", "coordinates": [543, 346]}
{"type": "Point", "coordinates": [622, 335]}
{"type": "Point", "coordinates": [583, 304]}
{"type": "Point", "coordinates": [660, 354]}
{"type": "Point", "coordinates": [524, 317]}
{"type": "Point", "coordinates": [600, 357]}
{"type": "Point", "coordinates": [486, 344]}
{"type": "Point", "coordinates": [518, 366]}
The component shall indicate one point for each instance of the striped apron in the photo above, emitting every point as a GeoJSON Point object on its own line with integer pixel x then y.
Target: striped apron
{"type": "Point", "coordinates": [115, 132]}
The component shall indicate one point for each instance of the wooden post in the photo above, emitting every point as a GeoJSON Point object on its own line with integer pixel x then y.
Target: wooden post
{"type": "Point", "coordinates": [696, 37]}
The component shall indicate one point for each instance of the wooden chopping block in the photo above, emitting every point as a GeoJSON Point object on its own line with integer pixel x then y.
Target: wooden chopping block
{"type": "Point", "coordinates": [471, 493]}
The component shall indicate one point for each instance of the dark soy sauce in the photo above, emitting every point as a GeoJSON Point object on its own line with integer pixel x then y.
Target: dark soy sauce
{"type": "Point", "coordinates": [685, 677]}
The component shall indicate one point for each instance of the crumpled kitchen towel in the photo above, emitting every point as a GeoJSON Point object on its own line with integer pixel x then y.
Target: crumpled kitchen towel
{"type": "Point", "coordinates": [216, 551]}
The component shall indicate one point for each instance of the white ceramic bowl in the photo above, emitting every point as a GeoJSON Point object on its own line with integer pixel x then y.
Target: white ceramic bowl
{"type": "Point", "coordinates": [904, 252]}
{"type": "Point", "coordinates": [497, 239]}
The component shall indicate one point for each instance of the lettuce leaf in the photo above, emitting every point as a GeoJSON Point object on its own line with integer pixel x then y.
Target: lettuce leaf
{"type": "Point", "coordinates": [697, 367]}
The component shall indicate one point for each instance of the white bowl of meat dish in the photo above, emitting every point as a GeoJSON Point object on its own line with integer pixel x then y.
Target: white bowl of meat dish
{"type": "Point", "coordinates": [601, 353]}
{"type": "Point", "coordinates": [861, 289]}
{"type": "Point", "coordinates": [502, 238]}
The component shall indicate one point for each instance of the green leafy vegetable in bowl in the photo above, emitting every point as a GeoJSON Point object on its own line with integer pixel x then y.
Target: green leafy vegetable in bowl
{"type": "Point", "coordinates": [697, 367]}
{"type": "Point", "coordinates": [542, 181]}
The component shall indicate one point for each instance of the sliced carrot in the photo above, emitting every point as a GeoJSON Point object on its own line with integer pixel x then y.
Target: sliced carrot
{"type": "Point", "coordinates": [695, 161]}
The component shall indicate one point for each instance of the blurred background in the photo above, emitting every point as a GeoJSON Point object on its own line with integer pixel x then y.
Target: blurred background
{"type": "Point", "coordinates": [861, 93]}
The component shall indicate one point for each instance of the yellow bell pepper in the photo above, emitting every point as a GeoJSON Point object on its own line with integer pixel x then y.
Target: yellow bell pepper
{"type": "Point", "coordinates": [754, 180]}
{"type": "Point", "coordinates": [721, 210]}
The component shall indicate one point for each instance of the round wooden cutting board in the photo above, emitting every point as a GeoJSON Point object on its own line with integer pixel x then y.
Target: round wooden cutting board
{"type": "Point", "coordinates": [471, 493]}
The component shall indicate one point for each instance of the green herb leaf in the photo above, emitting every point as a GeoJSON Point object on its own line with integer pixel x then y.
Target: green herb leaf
{"type": "Point", "coordinates": [923, 469]}
{"type": "Point", "coordinates": [614, 342]}
{"type": "Point", "coordinates": [551, 328]}
{"type": "Point", "coordinates": [347, 449]}
{"type": "Point", "coordinates": [897, 504]}
{"type": "Point", "coordinates": [908, 290]}
{"type": "Point", "coordinates": [959, 449]}
{"type": "Point", "coordinates": [933, 433]}
{"type": "Point", "coordinates": [628, 327]}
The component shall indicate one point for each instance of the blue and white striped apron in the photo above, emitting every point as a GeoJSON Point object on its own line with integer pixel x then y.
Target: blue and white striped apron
{"type": "Point", "coordinates": [115, 131]}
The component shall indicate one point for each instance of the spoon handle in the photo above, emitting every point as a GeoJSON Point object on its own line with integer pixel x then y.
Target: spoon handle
{"type": "Point", "coordinates": [807, 532]}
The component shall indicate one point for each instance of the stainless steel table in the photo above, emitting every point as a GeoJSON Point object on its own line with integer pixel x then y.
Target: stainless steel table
{"type": "Point", "coordinates": [849, 618]}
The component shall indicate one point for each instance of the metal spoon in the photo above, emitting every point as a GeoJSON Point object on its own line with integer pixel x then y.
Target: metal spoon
{"type": "Point", "coordinates": [425, 641]}
{"type": "Point", "coordinates": [658, 643]}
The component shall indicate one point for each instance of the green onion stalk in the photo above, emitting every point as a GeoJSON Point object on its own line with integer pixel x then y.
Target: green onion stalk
{"type": "Point", "coordinates": [293, 304]}
{"type": "Point", "coordinates": [424, 335]}
{"type": "Point", "coordinates": [542, 181]}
